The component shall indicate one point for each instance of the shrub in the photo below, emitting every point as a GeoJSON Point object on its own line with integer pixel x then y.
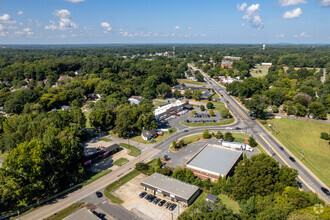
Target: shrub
{"type": "Point", "coordinates": [252, 142]}
{"type": "Point", "coordinates": [275, 109]}
{"type": "Point", "coordinates": [206, 134]}
{"type": "Point", "coordinates": [229, 137]}
{"type": "Point", "coordinates": [325, 136]}
{"type": "Point", "coordinates": [210, 105]}
{"type": "Point", "coordinates": [219, 135]}
{"type": "Point", "coordinates": [202, 107]}
{"type": "Point", "coordinates": [211, 112]}
{"type": "Point", "coordinates": [181, 143]}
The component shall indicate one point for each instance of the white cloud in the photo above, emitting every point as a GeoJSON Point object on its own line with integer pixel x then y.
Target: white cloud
{"type": "Point", "coordinates": [75, 1]}
{"type": "Point", "coordinates": [280, 35]}
{"type": "Point", "coordinates": [189, 28]}
{"type": "Point", "coordinates": [2, 27]}
{"type": "Point", "coordinates": [243, 24]}
{"type": "Point", "coordinates": [20, 12]}
{"type": "Point", "coordinates": [302, 34]}
{"type": "Point", "coordinates": [107, 27]}
{"type": "Point", "coordinates": [241, 7]}
{"type": "Point", "coordinates": [295, 13]}
{"type": "Point", "coordinates": [325, 3]}
{"type": "Point", "coordinates": [38, 23]}
{"type": "Point", "coordinates": [21, 23]}
{"type": "Point", "coordinates": [26, 29]}
{"type": "Point", "coordinates": [5, 19]}
{"type": "Point", "coordinates": [285, 3]}
{"type": "Point", "coordinates": [177, 27]}
{"type": "Point", "coordinates": [64, 23]}
{"type": "Point", "coordinates": [252, 15]}
{"type": "Point", "coordinates": [4, 33]}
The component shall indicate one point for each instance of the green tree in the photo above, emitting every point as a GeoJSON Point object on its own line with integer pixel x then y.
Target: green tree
{"type": "Point", "coordinates": [252, 142]}
{"type": "Point", "coordinates": [258, 104]}
{"type": "Point", "coordinates": [206, 134]}
{"type": "Point", "coordinates": [211, 113]}
{"type": "Point", "coordinates": [163, 90]}
{"type": "Point", "coordinates": [210, 105]}
{"type": "Point", "coordinates": [177, 94]}
{"type": "Point", "coordinates": [202, 107]}
{"type": "Point", "coordinates": [229, 137]}
{"type": "Point", "coordinates": [317, 109]}
{"type": "Point", "coordinates": [219, 135]}
{"type": "Point", "coordinates": [188, 94]}
{"type": "Point", "coordinates": [102, 118]}
{"type": "Point", "coordinates": [197, 95]}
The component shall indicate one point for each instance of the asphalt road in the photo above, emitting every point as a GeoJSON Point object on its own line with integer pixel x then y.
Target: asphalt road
{"type": "Point", "coordinates": [278, 151]}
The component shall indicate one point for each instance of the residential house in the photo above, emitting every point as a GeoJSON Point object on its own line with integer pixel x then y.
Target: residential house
{"type": "Point", "coordinates": [148, 134]}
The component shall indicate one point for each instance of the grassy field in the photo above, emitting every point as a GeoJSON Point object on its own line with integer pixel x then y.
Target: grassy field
{"type": "Point", "coordinates": [158, 139]}
{"type": "Point", "coordinates": [191, 138]}
{"type": "Point", "coordinates": [259, 71]}
{"type": "Point", "coordinates": [231, 204]}
{"type": "Point", "coordinates": [304, 136]}
{"type": "Point", "coordinates": [88, 124]}
{"type": "Point", "coordinates": [134, 151]}
{"type": "Point", "coordinates": [158, 103]}
{"type": "Point", "coordinates": [120, 161]}
{"type": "Point", "coordinates": [117, 184]}
{"type": "Point", "coordinates": [105, 139]}
{"type": "Point", "coordinates": [67, 211]}
{"type": "Point", "coordinates": [189, 81]}
{"type": "Point", "coordinates": [92, 176]}
{"type": "Point", "coordinates": [200, 124]}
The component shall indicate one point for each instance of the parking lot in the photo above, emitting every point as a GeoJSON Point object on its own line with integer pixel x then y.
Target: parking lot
{"type": "Point", "coordinates": [129, 193]}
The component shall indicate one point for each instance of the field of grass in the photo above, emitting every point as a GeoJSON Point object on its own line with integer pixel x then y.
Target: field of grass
{"type": "Point", "coordinates": [158, 139]}
{"type": "Point", "coordinates": [304, 136]}
{"type": "Point", "coordinates": [134, 151]}
{"type": "Point", "coordinates": [115, 185]}
{"type": "Point", "coordinates": [88, 124]}
{"type": "Point", "coordinates": [231, 204]}
{"type": "Point", "coordinates": [191, 138]}
{"type": "Point", "coordinates": [67, 211]}
{"type": "Point", "coordinates": [200, 124]}
{"type": "Point", "coordinates": [189, 81]}
{"type": "Point", "coordinates": [120, 161]}
{"type": "Point", "coordinates": [259, 71]}
{"type": "Point", "coordinates": [158, 103]}
{"type": "Point", "coordinates": [105, 139]}
{"type": "Point", "coordinates": [92, 176]}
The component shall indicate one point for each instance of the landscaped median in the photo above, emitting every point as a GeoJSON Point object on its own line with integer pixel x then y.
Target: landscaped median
{"type": "Point", "coordinates": [134, 151]}
{"type": "Point", "coordinates": [67, 211]}
{"type": "Point", "coordinates": [118, 183]}
{"type": "Point", "coordinates": [120, 161]}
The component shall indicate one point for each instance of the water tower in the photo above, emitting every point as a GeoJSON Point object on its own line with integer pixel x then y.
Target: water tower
{"type": "Point", "coordinates": [264, 46]}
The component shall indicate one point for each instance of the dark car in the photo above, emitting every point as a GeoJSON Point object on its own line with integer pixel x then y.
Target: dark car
{"type": "Point", "coordinates": [152, 141]}
{"type": "Point", "coordinates": [172, 207]}
{"type": "Point", "coordinates": [292, 159]}
{"type": "Point", "coordinates": [161, 203]}
{"type": "Point", "coordinates": [156, 201]}
{"type": "Point", "coordinates": [325, 190]}
{"type": "Point", "coordinates": [168, 204]}
{"type": "Point", "coordinates": [237, 128]}
{"type": "Point", "coordinates": [281, 148]}
{"type": "Point", "coordinates": [99, 194]}
{"type": "Point", "coordinates": [143, 194]}
{"type": "Point", "coordinates": [148, 196]}
{"type": "Point", "coordinates": [151, 198]}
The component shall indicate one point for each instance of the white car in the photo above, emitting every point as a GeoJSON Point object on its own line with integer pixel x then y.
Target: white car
{"type": "Point", "coordinates": [229, 128]}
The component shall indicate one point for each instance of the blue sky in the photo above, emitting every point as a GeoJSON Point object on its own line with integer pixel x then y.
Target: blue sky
{"type": "Point", "coordinates": [164, 21]}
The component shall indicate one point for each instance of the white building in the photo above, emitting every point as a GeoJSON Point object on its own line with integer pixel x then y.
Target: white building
{"type": "Point", "coordinates": [164, 111]}
{"type": "Point", "coordinates": [266, 64]}
{"type": "Point", "coordinates": [135, 100]}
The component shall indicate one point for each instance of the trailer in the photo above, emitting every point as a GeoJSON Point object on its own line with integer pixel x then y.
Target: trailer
{"type": "Point", "coordinates": [235, 145]}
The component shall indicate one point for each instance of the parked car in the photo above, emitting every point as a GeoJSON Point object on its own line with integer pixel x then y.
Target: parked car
{"type": "Point", "coordinates": [168, 204]}
{"type": "Point", "coordinates": [148, 196]}
{"type": "Point", "coordinates": [142, 194]}
{"type": "Point", "coordinates": [151, 198]}
{"type": "Point", "coordinates": [229, 128]}
{"type": "Point", "coordinates": [281, 148]}
{"type": "Point", "coordinates": [325, 190]}
{"type": "Point", "coordinates": [156, 201]}
{"type": "Point", "coordinates": [161, 203]}
{"type": "Point", "coordinates": [177, 115]}
{"type": "Point", "coordinates": [172, 207]}
{"type": "Point", "coordinates": [292, 159]}
{"type": "Point", "coordinates": [99, 194]}
{"type": "Point", "coordinates": [152, 141]}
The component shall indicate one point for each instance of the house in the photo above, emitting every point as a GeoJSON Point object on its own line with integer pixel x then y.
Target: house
{"type": "Point", "coordinates": [227, 64]}
{"type": "Point", "coordinates": [211, 198]}
{"type": "Point", "coordinates": [65, 107]}
{"type": "Point", "coordinates": [77, 72]}
{"type": "Point", "coordinates": [266, 64]}
{"type": "Point", "coordinates": [148, 134]}
{"type": "Point", "coordinates": [93, 96]}
{"type": "Point", "coordinates": [62, 78]}
{"type": "Point", "coordinates": [206, 94]}
{"type": "Point", "coordinates": [135, 100]}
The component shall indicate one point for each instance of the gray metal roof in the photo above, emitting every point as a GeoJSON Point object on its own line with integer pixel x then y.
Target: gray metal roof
{"type": "Point", "coordinates": [171, 185]}
{"type": "Point", "coordinates": [214, 159]}
{"type": "Point", "coordinates": [211, 197]}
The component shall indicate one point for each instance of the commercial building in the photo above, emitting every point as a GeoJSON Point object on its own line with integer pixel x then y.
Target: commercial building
{"type": "Point", "coordinates": [266, 64]}
{"type": "Point", "coordinates": [164, 186]}
{"type": "Point", "coordinates": [164, 111]}
{"type": "Point", "coordinates": [213, 160]}
{"type": "Point", "coordinates": [135, 100]}
{"type": "Point", "coordinates": [93, 157]}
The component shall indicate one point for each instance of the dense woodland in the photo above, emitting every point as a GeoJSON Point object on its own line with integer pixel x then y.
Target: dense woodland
{"type": "Point", "coordinates": [42, 144]}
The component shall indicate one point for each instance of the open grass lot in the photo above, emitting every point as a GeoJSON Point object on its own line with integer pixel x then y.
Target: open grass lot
{"type": "Point", "coordinates": [88, 124]}
{"type": "Point", "coordinates": [67, 211]}
{"type": "Point", "coordinates": [259, 71]}
{"type": "Point", "coordinates": [133, 150]}
{"type": "Point", "coordinates": [92, 176]}
{"type": "Point", "coordinates": [232, 204]}
{"type": "Point", "coordinates": [189, 81]}
{"type": "Point", "coordinates": [120, 161]}
{"type": "Point", "coordinates": [200, 124]}
{"type": "Point", "coordinates": [117, 184]}
{"type": "Point", "coordinates": [158, 139]}
{"type": "Point", "coordinates": [304, 136]}
{"type": "Point", "coordinates": [158, 103]}
{"type": "Point", "coordinates": [191, 138]}
{"type": "Point", "coordinates": [105, 139]}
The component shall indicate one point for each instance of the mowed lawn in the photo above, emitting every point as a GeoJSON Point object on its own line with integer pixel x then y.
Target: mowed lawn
{"type": "Point", "coordinates": [259, 71]}
{"type": "Point", "coordinates": [304, 136]}
{"type": "Point", "coordinates": [189, 81]}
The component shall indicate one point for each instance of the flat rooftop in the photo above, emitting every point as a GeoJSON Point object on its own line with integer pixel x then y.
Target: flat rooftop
{"type": "Point", "coordinates": [82, 214]}
{"type": "Point", "coordinates": [214, 159]}
{"type": "Point", "coordinates": [171, 185]}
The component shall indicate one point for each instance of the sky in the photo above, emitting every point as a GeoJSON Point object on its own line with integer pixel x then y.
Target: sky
{"type": "Point", "coordinates": [164, 21]}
